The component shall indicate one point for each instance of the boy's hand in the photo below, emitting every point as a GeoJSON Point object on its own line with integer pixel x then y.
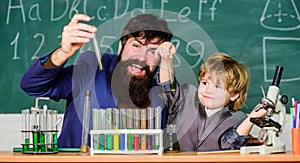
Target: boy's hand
{"type": "Point", "coordinates": [166, 51]}
{"type": "Point", "coordinates": [258, 112]}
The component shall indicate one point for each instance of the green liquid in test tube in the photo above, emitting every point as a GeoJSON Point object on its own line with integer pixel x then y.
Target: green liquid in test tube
{"type": "Point", "coordinates": [102, 127]}
{"type": "Point", "coordinates": [56, 122]}
{"type": "Point", "coordinates": [49, 133]}
{"type": "Point", "coordinates": [42, 121]}
{"type": "Point", "coordinates": [26, 145]}
{"type": "Point", "coordinates": [129, 126]}
{"type": "Point", "coordinates": [109, 136]}
{"type": "Point", "coordinates": [129, 141]}
{"type": "Point", "coordinates": [109, 141]}
{"type": "Point", "coordinates": [54, 139]}
{"type": "Point", "coordinates": [42, 142]}
{"type": "Point", "coordinates": [35, 131]}
{"type": "Point", "coordinates": [35, 134]}
{"type": "Point", "coordinates": [96, 142]}
{"type": "Point", "coordinates": [26, 127]}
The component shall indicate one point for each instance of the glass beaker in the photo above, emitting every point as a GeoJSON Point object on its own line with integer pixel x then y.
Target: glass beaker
{"type": "Point", "coordinates": [171, 144]}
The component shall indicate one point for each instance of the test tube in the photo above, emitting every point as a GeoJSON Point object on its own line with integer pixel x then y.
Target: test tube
{"type": "Point", "coordinates": [123, 118]}
{"type": "Point", "coordinates": [136, 119]}
{"type": "Point", "coordinates": [98, 53]}
{"type": "Point", "coordinates": [129, 126]}
{"type": "Point", "coordinates": [109, 138]}
{"type": "Point", "coordinates": [102, 127]}
{"type": "Point", "coordinates": [56, 121]}
{"type": "Point", "coordinates": [136, 125]}
{"type": "Point", "coordinates": [143, 126]}
{"type": "Point", "coordinates": [171, 72]}
{"type": "Point", "coordinates": [43, 128]}
{"type": "Point", "coordinates": [116, 124]}
{"type": "Point", "coordinates": [35, 130]}
{"type": "Point", "coordinates": [26, 129]}
{"type": "Point", "coordinates": [35, 136]}
{"type": "Point", "coordinates": [95, 127]}
{"type": "Point", "coordinates": [49, 134]}
{"type": "Point", "coordinates": [150, 117]}
{"type": "Point", "coordinates": [122, 126]}
{"type": "Point", "coordinates": [157, 126]}
{"type": "Point", "coordinates": [86, 121]}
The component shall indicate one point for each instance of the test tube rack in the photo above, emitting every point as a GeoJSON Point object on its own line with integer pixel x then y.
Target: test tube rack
{"type": "Point", "coordinates": [125, 142]}
{"type": "Point", "coordinates": [39, 130]}
{"type": "Point", "coordinates": [38, 144]}
{"type": "Point", "coordinates": [126, 131]}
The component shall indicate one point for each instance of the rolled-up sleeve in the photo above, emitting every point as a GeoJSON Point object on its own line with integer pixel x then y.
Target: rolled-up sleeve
{"type": "Point", "coordinates": [235, 140]}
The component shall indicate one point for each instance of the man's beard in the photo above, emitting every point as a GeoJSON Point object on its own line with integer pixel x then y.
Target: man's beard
{"type": "Point", "coordinates": [131, 91]}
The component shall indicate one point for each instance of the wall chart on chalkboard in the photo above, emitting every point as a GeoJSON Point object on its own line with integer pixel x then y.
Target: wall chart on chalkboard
{"type": "Point", "coordinates": [260, 33]}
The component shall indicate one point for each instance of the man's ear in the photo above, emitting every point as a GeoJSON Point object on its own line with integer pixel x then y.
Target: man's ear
{"type": "Point", "coordinates": [120, 47]}
{"type": "Point", "coordinates": [234, 97]}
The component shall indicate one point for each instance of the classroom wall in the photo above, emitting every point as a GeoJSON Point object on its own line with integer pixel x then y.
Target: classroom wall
{"type": "Point", "coordinates": [10, 134]}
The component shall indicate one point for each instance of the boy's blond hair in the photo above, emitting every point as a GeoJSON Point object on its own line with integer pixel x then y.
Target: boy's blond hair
{"type": "Point", "coordinates": [234, 74]}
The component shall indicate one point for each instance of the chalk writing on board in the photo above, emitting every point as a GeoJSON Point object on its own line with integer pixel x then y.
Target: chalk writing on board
{"type": "Point", "coordinates": [15, 44]}
{"type": "Point", "coordinates": [40, 45]}
{"type": "Point", "coordinates": [285, 43]}
{"type": "Point", "coordinates": [69, 8]}
{"type": "Point", "coordinates": [280, 15]}
{"type": "Point", "coordinates": [81, 6]}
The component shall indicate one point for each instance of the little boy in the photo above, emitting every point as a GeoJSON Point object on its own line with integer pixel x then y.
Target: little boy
{"type": "Point", "coordinates": [210, 118]}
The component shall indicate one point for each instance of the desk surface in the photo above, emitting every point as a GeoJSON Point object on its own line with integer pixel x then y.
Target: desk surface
{"type": "Point", "coordinates": [9, 156]}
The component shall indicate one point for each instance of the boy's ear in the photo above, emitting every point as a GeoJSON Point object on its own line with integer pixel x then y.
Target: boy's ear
{"type": "Point", "coordinates": [234, 97]}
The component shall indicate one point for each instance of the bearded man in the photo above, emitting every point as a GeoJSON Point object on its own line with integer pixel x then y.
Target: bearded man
{"type": "Point", "coordinates": [126, 80]}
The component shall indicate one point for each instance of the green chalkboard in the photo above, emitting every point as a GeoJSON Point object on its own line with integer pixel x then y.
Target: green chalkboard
{"type": "Point", "coordinates": [260, 33]}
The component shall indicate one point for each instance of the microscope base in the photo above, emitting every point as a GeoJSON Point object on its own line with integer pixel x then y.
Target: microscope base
{"type": "Point", "coordinates": [263, 149]}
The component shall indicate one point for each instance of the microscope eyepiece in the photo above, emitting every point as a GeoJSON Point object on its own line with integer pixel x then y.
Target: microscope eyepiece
{"type": "Point", "coordinates": [277, 76]}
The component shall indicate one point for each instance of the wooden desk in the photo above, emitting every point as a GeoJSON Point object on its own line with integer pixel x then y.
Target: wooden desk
{"type": "Point", "coordinates": [9, 156]}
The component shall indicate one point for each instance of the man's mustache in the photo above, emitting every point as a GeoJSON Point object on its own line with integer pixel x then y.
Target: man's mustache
{"type": "Point", "coordinates": [142, 64]}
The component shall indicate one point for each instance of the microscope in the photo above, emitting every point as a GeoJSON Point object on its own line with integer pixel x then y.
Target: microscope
{"type": "Point", "coordinates": [269, 135]}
